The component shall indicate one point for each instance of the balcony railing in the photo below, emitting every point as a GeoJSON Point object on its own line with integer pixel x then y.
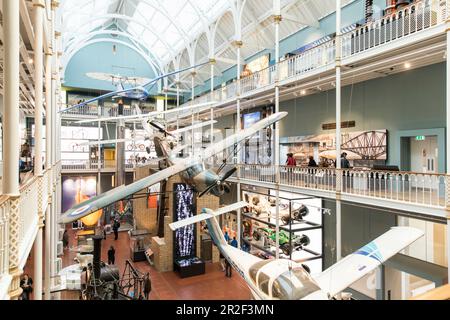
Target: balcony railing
{"type": "Point", "coordinates": [92, 111]}
{"type": "Point", "coordinates": [33, 197]}
{"type": "Point", "coordinates": [409, 20]}
{"type": "Point", "coordinates": [89, 165]}
{"type": "Point", "coordinates": [4, 235]}
{"type": "Point", "coordinates": [411, 187]}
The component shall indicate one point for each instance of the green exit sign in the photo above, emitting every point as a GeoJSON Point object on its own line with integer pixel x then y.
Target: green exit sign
{"type": "Point", "coordinates": [420, 138]}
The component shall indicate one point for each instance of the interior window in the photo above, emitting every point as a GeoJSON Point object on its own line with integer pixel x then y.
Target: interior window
{"type": "Point", "coordinates": [282, 288]}
{"type": "Point", "coordinates": [263, 282]}
{"type": "Point", "coordinates": [256, 267]}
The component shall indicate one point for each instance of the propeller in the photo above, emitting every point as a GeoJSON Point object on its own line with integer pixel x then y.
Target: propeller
{"type": "Point", "coordinates": [160, 129]}
{"type": "Point", "coordinates": [219, 182]}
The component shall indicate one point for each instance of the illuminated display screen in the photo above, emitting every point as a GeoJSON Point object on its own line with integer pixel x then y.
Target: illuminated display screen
{"type": "Point", "coordinates": [76, 190]}
{"type": "Point", "coordinates": [184, 207]}
{"type": "Point", "coordinates": [251, 118]}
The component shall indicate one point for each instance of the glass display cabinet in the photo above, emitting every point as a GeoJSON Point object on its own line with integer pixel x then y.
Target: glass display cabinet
{"type": "Point", "coordinates": [300, 221]}
{"type": "Point", "coordinates": [137, 245]}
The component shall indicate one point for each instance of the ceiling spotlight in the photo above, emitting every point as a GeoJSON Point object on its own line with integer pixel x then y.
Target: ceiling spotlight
{"type": "Point", "coordinates": [407, 65]}
{"type": "Point", "coordinates": [30, 61]}
{"type": "Point", "coordinates": [303, 92]}
{"type": "Point", "coordinates": [333, 84]}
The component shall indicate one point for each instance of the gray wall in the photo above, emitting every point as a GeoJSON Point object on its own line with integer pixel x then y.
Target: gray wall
{"type": "Point", "coordinates": [360, 225]}
{"type": "Point", "coordinates": [406, 101]}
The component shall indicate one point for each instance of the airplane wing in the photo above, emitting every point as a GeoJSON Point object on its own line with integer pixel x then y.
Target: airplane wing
{"type": "Point", "coordinates": [242, 135]}
{"type": "Point", "coordinates": [112, 196]}
{"type": "Point", "coordinates": [115, 93]}
{"type": "Point", "coordinates": [96, 143]}
{"type": "Point", "coordinates": [195, 126]}
{"type": "Point", "coordinates": [139, 117]}
{"type": "Point", "coordinates": [119, 193]}
{"type": "Point", "coordinates": [356, 265]}
{"type": "Point", "coordinates": [106, 95]}
{"type": "Point", "coordinates": [209, 214]}
{"type": "Point", "coordinates": [173, 73]}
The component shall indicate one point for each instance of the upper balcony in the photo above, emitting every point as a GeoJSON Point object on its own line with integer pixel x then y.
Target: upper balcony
{"type": "Point", "coordinates": [104, 166]}
{"type": "Point", "coordinates": [94, 111]}
{"type": "Point", "coordinates": [414, 33]}
{"type": "Point", "coordinates": [412, 192]}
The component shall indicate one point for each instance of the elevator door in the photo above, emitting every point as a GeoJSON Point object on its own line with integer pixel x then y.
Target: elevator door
{"type": "Point", "coordinates": [424, 154]}
{"type": "Point", "coordinates": [424, 159]}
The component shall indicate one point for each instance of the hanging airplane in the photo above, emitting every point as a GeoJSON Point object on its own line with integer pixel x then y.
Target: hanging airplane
{"type": "Point", "coordinates": [192, 170]}
{"type": "Point", "coordinates": [117, 78]}
{"type": "Point", "coordinates": [284, 279]}
{"type": "Point", "coordinates": [138, 92]}
{"type": "Point", "coordinates": [148, 136]}
{"type": "Point", "coordinates": [180, 112]}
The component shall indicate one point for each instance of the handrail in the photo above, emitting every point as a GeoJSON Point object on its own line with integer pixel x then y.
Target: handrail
{"type": "Point", "coordinates": [411, 187]}
{"type": "Point", "coordinates": [410, 19]}
{"type": "Point", "coordinates": [440, 293]}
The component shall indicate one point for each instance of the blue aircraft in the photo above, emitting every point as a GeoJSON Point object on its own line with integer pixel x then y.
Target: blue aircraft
{"type": "Point", "coordinates": [136, 93]}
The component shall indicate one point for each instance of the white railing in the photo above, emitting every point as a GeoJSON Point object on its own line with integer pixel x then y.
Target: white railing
{"type": "Point", "coordinates": [411, 187]}
{"type": "Point", "coordinates": [406, 21]}
{"type": "Point", "coordinates": [411, 19]}
{"type": "Point", "coordinates": [80, 165]}
{"type": "Point", "coordinates": [28, 213]}
{"type": "Point", "coordinates": [76, 165]}
{"type": "Point", "coordinates": [4, 235]}
{"type": "Point", "coordinates": [92, 111]}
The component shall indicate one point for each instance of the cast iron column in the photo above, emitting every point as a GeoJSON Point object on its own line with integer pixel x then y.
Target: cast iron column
{"type": "Point", "coordinates": [38, 7]}
{"type": "Point", "coordinates": [11, 34]}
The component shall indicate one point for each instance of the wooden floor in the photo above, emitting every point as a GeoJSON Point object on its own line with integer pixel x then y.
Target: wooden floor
{"type": "Point", "coordinates": [168, 285]}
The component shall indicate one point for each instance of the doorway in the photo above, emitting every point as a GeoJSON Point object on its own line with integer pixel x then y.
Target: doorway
{"type": "Point", "coordinates": [424, 154]}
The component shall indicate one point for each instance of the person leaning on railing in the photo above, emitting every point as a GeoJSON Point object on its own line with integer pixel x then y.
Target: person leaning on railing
{"type": "Point", "coordinates": [291, 160]}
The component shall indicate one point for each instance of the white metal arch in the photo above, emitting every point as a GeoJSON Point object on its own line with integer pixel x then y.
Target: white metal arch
{"type": "Point", "coordinates": [87, 36]}
{"type": "Point", "coordinates": [103, 40]}
{"type": "Point", "coordinates": [127, 18]}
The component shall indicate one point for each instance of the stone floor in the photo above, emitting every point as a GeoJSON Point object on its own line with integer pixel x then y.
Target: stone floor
{"type": "Point", "coordinates": [168, 285]}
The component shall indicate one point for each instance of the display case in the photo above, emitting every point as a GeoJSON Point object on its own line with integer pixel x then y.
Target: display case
{"type": "Point", "coordinates": [137, 245]}
{"type": "Point", "coordinates": [189, 267]}
{"type": "Point", "coordinates": [300, 222]}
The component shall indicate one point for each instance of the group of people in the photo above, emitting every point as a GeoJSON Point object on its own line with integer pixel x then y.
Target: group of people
{"type": "Point", "coordinates": [290, 161]}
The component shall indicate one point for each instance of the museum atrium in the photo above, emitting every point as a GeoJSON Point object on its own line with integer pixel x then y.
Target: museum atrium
{"type": "Point", "coordinates": [224, 149]}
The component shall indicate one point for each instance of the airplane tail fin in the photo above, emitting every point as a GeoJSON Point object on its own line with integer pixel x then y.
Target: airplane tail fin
{"type": "Point", "coordinates": [210, 216]}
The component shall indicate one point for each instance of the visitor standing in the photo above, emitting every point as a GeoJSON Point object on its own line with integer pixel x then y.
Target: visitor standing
{"type": "Point", "coordinates": [116, 226]}
{"type": "Point", "coordinates": [147, 286]}
{"type": "Point", "coordinates": [290, 160]}
{"type": "Point", "coordinates": [228, 270]}
{"type": "Point", "coordinates": [111, 255]}
{"type": "Point", "coordinates": [345, 164]}
{"type": "Point", "coordinates": [26, 283]}
{"type": "Point", "coordinates": [65, 239]}
{"type": "Point", "coordinates": [312, 163]}
{"type": "Point", "coordinates": [234, 242]}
